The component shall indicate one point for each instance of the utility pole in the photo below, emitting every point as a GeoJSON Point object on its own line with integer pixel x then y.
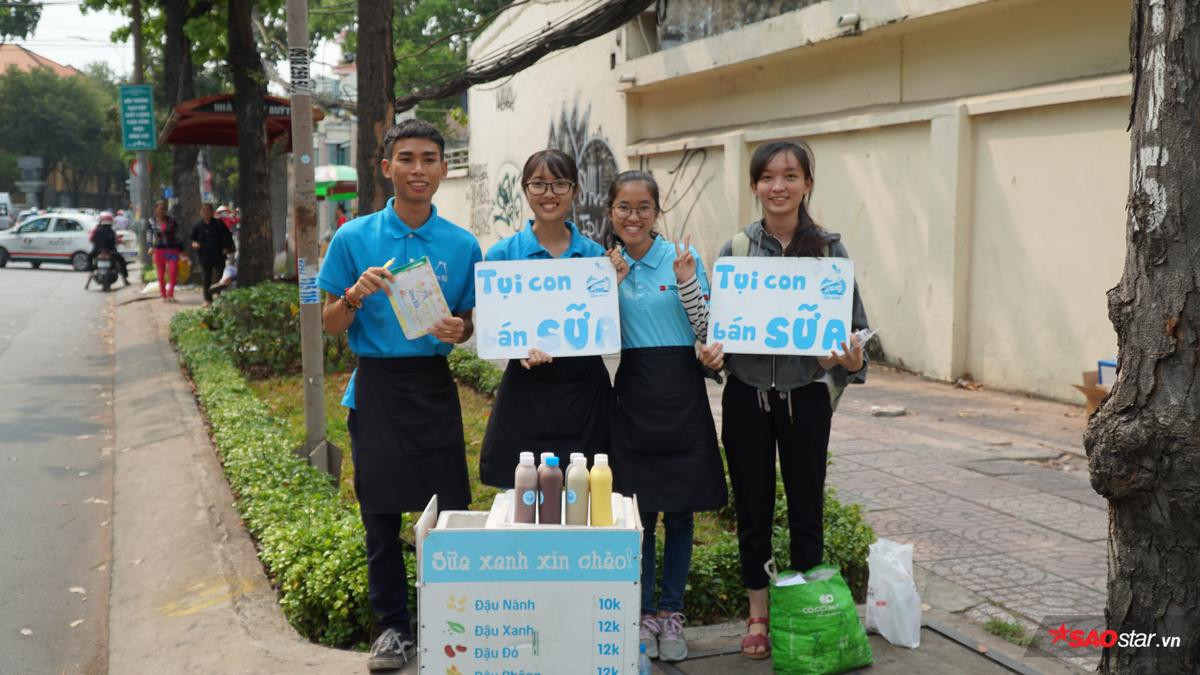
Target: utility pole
{"type": "Point", "coordinates": [317, 449]}
{"type": "Point", "coordinates": [143, 158]}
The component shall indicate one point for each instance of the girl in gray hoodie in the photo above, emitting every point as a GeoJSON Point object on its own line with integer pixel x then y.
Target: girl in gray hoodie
{"type": "Point", "coordinates": [783, 402]}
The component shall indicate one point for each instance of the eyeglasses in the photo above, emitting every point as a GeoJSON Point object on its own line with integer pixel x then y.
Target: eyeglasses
{"type": "Point", "coordinates": [558, 187]}
{"type": "Point", "coordinates": [644, 211]}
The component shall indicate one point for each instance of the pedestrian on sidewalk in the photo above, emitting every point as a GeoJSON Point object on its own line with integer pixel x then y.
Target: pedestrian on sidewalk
{"type": "Point", "coordinates": [545, 404]}
{"type": "Point", "coordinates": [405, 419]}
{"type": "Point", "coordinates": [664, 442]}
{"type": "Point", "coordinates": [212, 242]}
{"type": "Point", "coordinates": [783, 402]}
{"type": "Point", "coordinates": [167, 249]}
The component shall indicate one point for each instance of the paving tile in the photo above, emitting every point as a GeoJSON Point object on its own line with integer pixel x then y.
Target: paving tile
{"type": "Point", "coordinates": [889, 458]}
{"type": "Point", "coordinates": [1053, 597]}
{"type": "Point", "coordinates": [864, 479]}
{"type": "Point", "coordinates": [1057, 513]}
{"type": "Point", "coordinates": [1086, 496]}
{"type": "Point", "coordinates": [1048, 480]}
{"type": "Point", "coordinates": [991, 573]}
{"type": "Point", "coordinates": [980, 489]}
{"type": "Point", "coordinates": [940, 545]}
{"type": "Point", "coordinates": [843, 464]}
{"type": "Point", "coordinates": [855, 447]}
{"type": "Point", "coordinates": [892, 523]}
{"type": "Point", "coordinates": [897, 496]}
{"type": "Point", "coordinates": [847, 497]}
{"type": "Point", "coordinates": [1006, 533]}
{"type": "Point", "coordinates": [1075, 562]}
{"type": "Point", "coordinates": [936, 454]}
{"type": "Point", "coordinates": [1001, 467]}
{"type": "Point", "coordinates": [950, 514]}
{"type": "Point", "coordinates": [927, 473]}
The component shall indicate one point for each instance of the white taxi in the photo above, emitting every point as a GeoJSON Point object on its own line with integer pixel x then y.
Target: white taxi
{"type": "Point", "coordinates": [58, 237]}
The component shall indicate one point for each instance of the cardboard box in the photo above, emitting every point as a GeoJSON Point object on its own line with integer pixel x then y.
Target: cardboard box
{"type": "Point", "coordinates": [1093, 390]}
{"type": "Point", "coordinates": [494, 597]}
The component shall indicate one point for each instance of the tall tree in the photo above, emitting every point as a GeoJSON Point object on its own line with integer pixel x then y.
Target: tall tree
{"type": "Point", "coordinates": [255, 251]}
{"type": "Point", "coordinates": [19, 18]}
{"type": "Point", "coordinates": [180, 86]}
{"type": "Point", "coordinates": [376, 96]}
{"type": "Point", "coordinates": [1144, 443]}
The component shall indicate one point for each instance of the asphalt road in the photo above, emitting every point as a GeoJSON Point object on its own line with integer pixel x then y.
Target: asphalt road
{"type": "Point", "coordinates": [56, 377]}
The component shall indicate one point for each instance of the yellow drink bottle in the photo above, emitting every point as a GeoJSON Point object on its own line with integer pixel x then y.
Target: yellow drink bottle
{"type": "Point", "coordinates": [600, 487]}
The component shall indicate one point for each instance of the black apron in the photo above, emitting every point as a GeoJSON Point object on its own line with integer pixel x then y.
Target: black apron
{"type": "Point", "coordinates": [406, 436]}
{"type": "Point", "coordinates": [560, 407]}
{"type": "Point", "coordinates": [664, 442]}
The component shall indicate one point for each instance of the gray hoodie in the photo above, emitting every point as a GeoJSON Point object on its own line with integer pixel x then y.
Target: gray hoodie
{"type": "Point", "coordinates": [785, 373]}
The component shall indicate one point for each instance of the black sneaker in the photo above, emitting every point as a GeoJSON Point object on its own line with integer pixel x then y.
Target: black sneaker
{"type": "Point", "coordinates": [391, 651]}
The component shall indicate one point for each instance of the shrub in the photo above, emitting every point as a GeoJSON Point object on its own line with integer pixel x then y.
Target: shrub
{"type": "Point", "coordinates": [149, 274]}
{"type": "Point", "coordinates": [260, 328]}
{"type": "Point", "coordinates": [310, 542]}
{"type": "Point", "coordinates": [469, 369]}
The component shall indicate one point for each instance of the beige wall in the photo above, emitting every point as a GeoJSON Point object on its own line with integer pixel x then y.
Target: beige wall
{"type": "Point", "coordinates": [973, 156]}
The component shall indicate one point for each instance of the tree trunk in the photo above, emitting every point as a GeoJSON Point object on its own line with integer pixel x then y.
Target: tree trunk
{"type": "Point", "coordinates": [177, 66]}
{"type": "Point", "coordinates": [1144, 443]}
{"type": "Point", "coordinates": [255, 255]}
{"type": "Point", "coordinates": [376, 63]}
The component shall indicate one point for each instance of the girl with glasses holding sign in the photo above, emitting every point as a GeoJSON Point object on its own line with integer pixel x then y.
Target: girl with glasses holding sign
{"type": "Point", "coordinates": [546, 404]}
{"type": "Point", "coordinates": [783, 402]}
{"type": "Point", "coordinates": [664, 441]}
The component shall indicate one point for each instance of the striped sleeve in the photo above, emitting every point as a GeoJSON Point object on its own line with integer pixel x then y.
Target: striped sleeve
{"type": "Point", "coordinates": [696, 306]}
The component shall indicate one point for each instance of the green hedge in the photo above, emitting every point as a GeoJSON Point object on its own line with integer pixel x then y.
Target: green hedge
{"type": "Point", "coordinates": [260, 328]}
{"type": "Point", "coordinates": [310, 542]}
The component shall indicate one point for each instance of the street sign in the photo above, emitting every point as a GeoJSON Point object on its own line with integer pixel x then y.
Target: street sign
{"type": "Point", "coordinates": [137, 117]}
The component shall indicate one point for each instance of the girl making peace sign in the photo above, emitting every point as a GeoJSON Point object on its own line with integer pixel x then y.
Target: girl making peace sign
{"type": "Point", "coordinates": [664, 443]}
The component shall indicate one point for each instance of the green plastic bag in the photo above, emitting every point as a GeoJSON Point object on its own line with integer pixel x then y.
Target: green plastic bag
{"type": "Point", "coordinates": [814, 625]}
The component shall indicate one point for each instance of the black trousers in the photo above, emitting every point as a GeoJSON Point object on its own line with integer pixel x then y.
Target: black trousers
{"type": "Point", "coordinates": [387, 576]}
{"type": "Point", "coordinates": [753, 426]}
{"type": "Point", "coordinates": [210, 274]}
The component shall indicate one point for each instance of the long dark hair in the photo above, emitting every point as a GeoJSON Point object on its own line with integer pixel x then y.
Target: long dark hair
{"type": "Point", "coordinates": [624, 178]}
{"type": "Point", "coordinates": [809, 239]}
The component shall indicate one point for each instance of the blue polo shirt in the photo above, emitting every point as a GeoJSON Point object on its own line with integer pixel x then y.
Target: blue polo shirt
{"type": "Point", "coordinates": [369, 241]}
{"type": "Point", "coordinates": [651, 313]}
{"type": "Point", "coordinates": [524, 245]}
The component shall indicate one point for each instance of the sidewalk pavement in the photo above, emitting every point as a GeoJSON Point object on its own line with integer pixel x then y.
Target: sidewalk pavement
{"type": "Point", "coordinates": [189, 594]}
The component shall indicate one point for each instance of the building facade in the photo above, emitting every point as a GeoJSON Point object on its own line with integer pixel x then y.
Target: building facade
{"type": "Point", "coordinates": [972, 153]}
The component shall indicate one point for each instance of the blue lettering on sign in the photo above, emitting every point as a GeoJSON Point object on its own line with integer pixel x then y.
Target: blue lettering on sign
{"type": "Point", "coordinates": [505, 285]}
{"type": "Point", "coordinates": [734, 332]}
{"type": "Point", "coordinates": [512, 338]}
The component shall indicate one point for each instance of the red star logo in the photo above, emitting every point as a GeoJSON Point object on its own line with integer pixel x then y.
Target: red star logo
{"type": "Point", "coordinates": [1059, 633]}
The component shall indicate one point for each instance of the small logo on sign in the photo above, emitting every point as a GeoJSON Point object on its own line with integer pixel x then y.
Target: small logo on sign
{"type": "Point", "coordinates": [826, 598]}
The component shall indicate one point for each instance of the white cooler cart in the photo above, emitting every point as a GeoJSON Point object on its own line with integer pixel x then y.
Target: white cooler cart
{"type": "Point", "coordinates": [495, 598]}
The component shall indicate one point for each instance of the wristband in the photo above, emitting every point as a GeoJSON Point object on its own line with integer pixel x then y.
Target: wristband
{"type": "Point", "coordinates": [350, 303]}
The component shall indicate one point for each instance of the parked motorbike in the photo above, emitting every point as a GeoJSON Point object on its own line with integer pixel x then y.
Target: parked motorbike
{"type": "Point", "coordinates": [104, 270]}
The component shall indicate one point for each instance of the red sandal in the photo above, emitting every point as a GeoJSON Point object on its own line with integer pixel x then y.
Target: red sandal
{"type": "Point", "coordinates": [753, 640]}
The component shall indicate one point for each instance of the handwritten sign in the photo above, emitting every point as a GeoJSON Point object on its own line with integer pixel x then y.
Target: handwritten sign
{"type": "Point", "coordinates": [783, 306]}
{"type": "Point", "coordinates": [562, 307]}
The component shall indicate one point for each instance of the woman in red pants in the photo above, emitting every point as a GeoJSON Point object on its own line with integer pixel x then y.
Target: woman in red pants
{"type": "Point", "coordinates": [167, 249]}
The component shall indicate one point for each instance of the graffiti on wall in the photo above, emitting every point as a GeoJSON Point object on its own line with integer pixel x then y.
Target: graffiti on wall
{"type": "Point", "coordinates": [479, 198]}
{"type": "Point", "coordinates": [681, 193]}
{"type": "Point", "coordinates": [506, 98]}
{"type": "Point", "coordinates": [597, 169]}
{"type": "Point", "coordinates": [507, 201]}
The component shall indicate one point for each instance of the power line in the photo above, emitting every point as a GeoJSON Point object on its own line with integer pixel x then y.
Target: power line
{"type": "Point", "coordinates": [605, 16]}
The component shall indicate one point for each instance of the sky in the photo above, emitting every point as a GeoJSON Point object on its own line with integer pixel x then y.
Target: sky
{"type": "Point", "coordinates": [66, 35]}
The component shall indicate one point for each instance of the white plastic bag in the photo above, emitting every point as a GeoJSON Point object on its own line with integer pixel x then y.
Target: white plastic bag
{"type": "Point", "coordinates": [893, 606]}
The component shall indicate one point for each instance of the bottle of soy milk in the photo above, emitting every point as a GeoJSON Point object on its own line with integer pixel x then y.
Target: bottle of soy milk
{"type": "Point", "coordinates": [525, 490]}
{"type": "Point", "coordinates": [577, 490]}
{"type": "Point", "coordinates": [600, 485]}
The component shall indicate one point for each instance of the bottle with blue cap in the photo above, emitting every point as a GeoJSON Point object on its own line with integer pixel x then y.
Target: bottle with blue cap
{"type": "Point", "coordinates": [550, 484]}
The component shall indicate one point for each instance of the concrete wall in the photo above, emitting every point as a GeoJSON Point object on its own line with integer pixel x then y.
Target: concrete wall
{"type": "Point", "coordinates": [971, 153]}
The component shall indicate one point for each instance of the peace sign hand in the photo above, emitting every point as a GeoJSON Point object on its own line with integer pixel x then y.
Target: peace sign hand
{"type": "Point", "coordinates": [618, 263]}
{"type": "Point", "coordinates": [851, 357]}
{"type": "Point", "coordinates": [685, 262]}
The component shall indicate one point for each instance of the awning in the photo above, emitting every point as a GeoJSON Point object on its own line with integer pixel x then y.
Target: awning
{"type": "Point", "coordinates": [211, 120]}
{"type": "Point", "coordinates": [336, 182]}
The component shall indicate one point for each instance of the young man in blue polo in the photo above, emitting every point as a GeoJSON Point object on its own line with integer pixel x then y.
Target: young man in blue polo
{"type": "Point", "coordinates": [405, 421]}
